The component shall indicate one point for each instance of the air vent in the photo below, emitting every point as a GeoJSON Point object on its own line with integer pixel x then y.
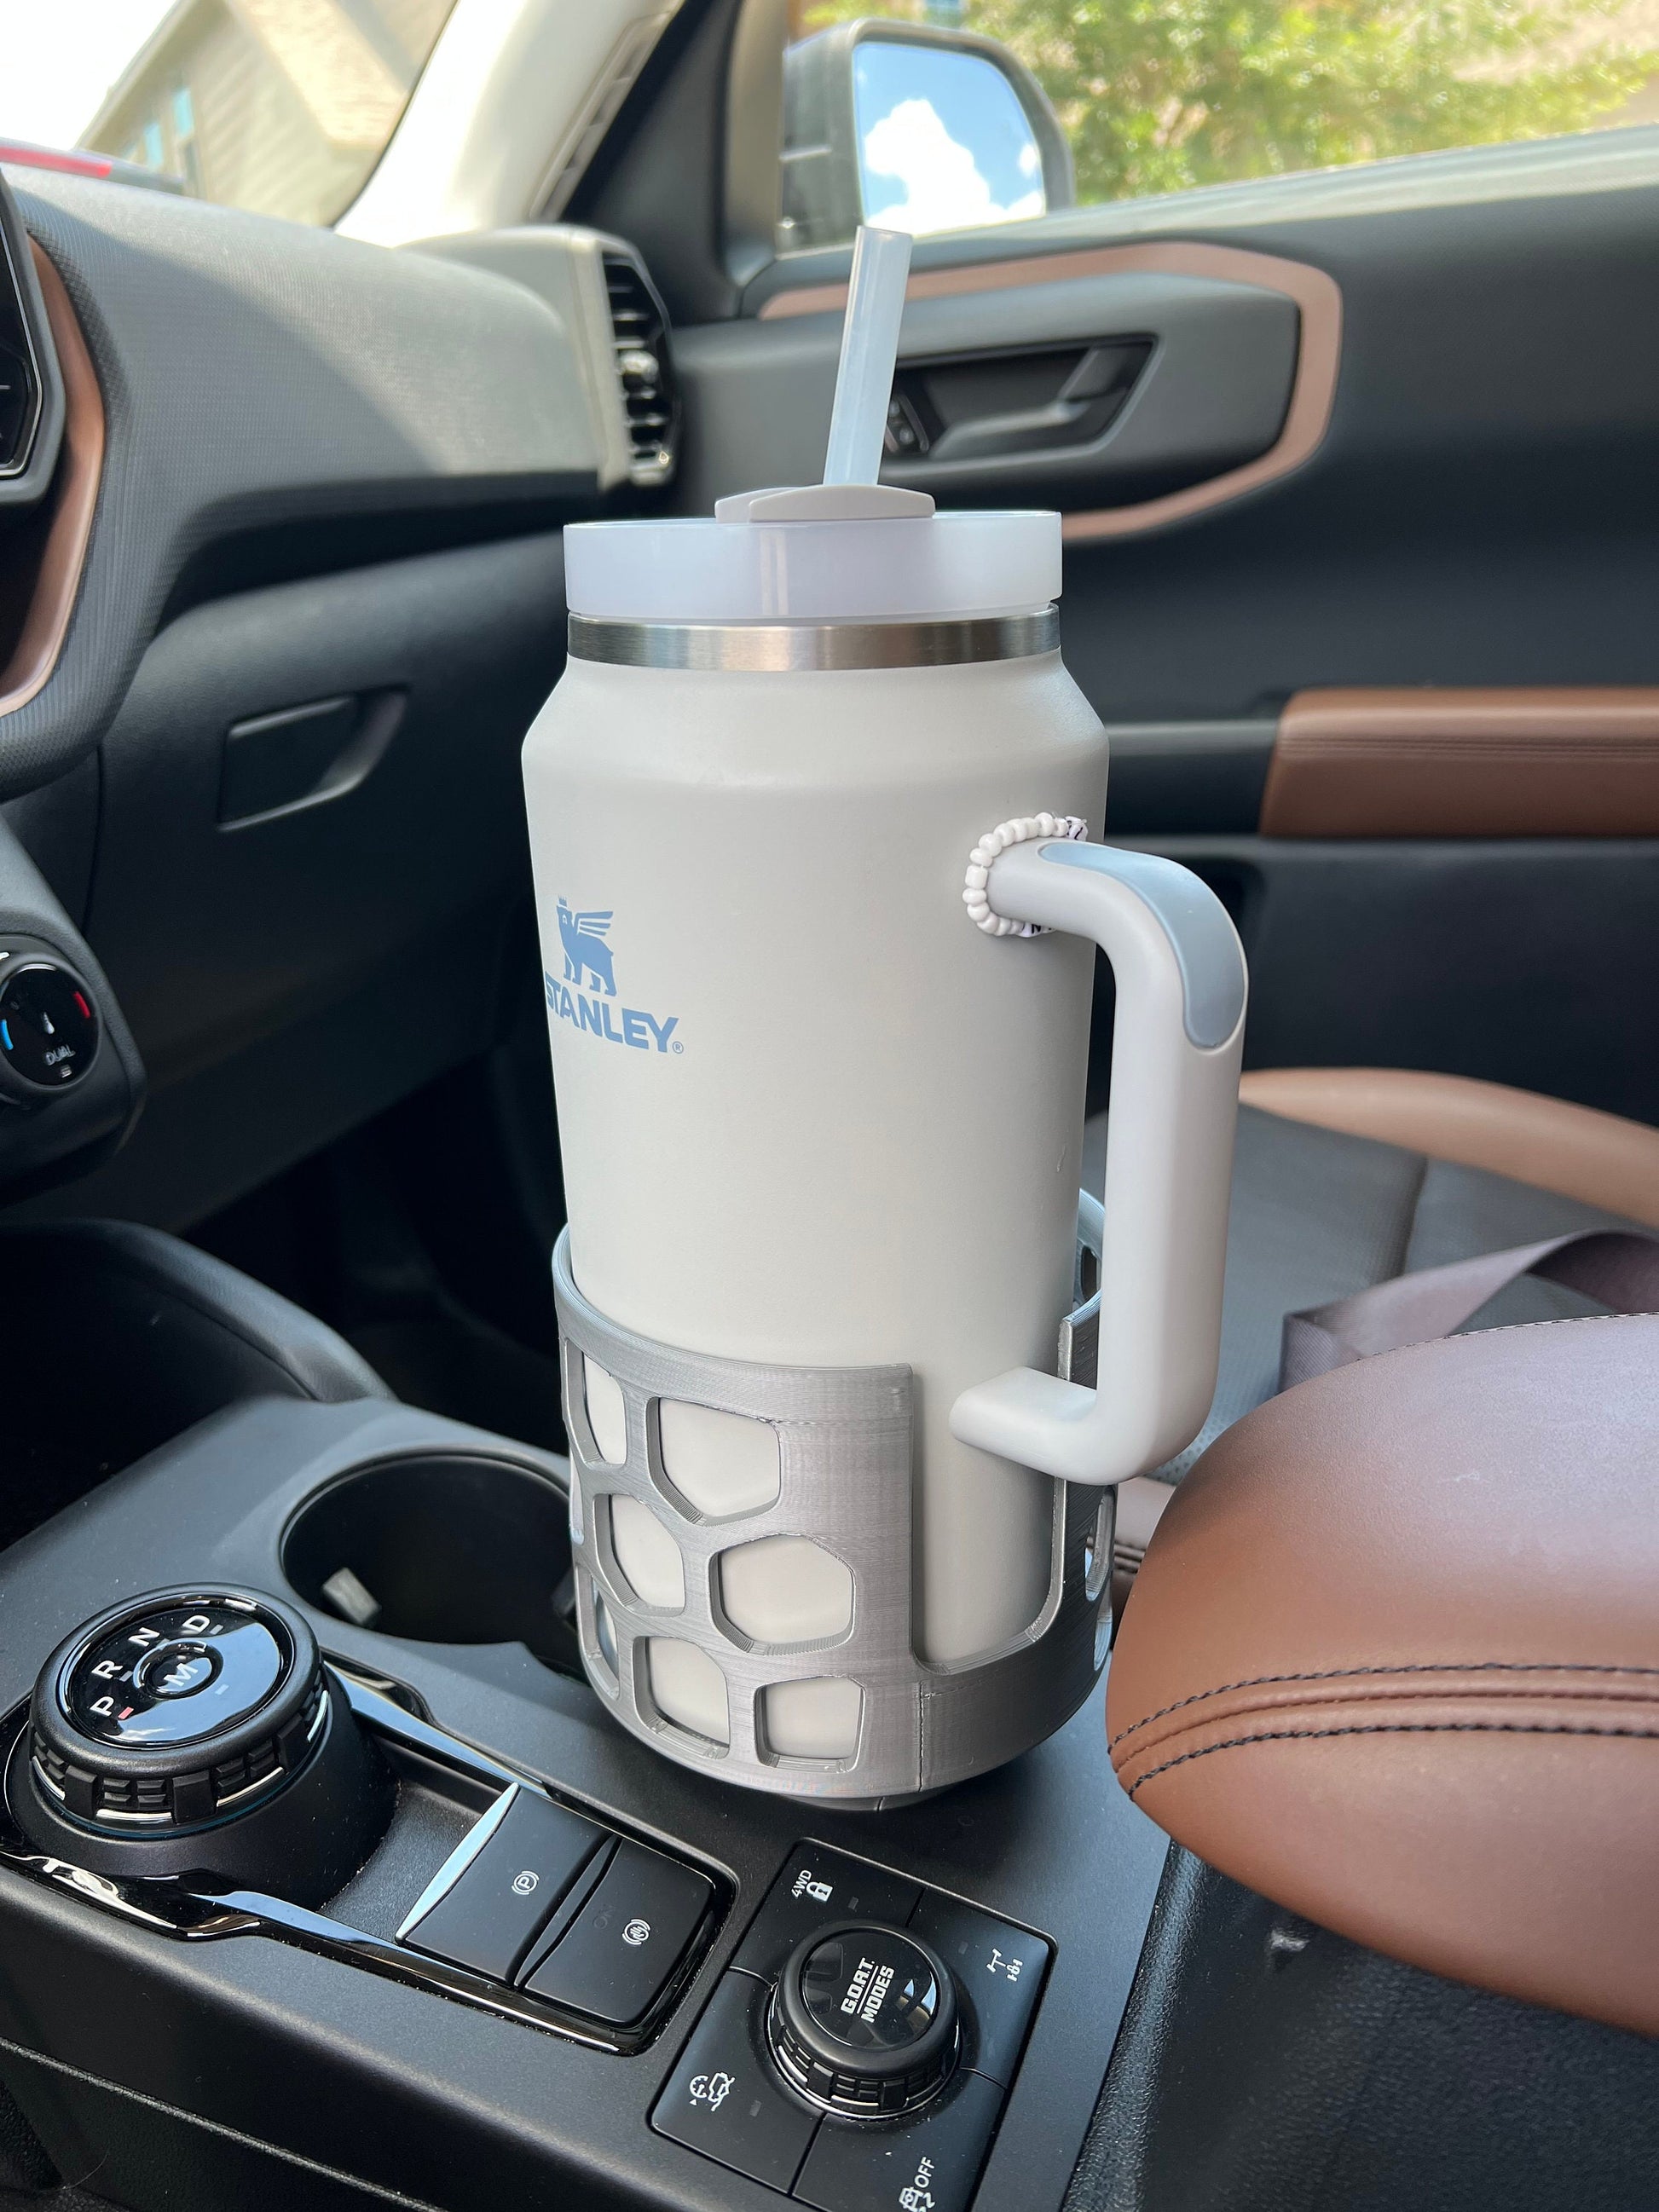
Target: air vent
{"type": "Point", "coordinates": [19, 381]}
{"type": "Point", "coordinates": [650, 400]}
{"type": "Point", "coordinates": [31, 382]}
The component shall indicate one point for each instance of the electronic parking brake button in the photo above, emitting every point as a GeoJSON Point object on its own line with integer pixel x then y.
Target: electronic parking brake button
{"type": "Point", "coordinates": [488, 1917]}
{"type": "Point", "coordinates": [622, 1946]}
{"type": "Point", "coordinates": [724, 2099]}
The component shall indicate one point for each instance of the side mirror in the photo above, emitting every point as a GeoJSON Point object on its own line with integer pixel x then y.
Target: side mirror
{"type": "Point", "coordinates": [914, 128]}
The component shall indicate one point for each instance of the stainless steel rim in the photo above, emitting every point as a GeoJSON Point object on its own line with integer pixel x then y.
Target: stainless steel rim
{"type": "Point", "coordinates": [781, 648]}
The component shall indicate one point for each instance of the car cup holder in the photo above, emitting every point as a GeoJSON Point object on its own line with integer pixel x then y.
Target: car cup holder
{"type": "Point", "coordinates": [442, 1547]}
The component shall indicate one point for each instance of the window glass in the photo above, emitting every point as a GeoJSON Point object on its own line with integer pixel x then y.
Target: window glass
{"type": "Point", "coordinates": [281, 105]}
{"type": "Point", "coordinates": [1158, 95]}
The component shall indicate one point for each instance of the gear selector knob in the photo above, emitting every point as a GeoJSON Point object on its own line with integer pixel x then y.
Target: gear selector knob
{"type": "Point", "coordinates": [197, 1730]}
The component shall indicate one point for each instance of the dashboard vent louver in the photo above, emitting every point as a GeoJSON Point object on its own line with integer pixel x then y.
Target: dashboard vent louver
{"type": "Point", "coordinates": [650, 394]}
{"type": "Point", "coordinates": [20, 377]}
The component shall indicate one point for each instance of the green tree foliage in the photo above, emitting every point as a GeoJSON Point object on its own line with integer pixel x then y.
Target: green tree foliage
{"type": "Point", "coordinates": [1157, 95]}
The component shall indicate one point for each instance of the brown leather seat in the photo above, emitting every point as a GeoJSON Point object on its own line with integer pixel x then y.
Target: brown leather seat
{"type": "Point", "coordinates": [1293, 1196]}
{"type": "Point", "coordinates": [1392, 1660]}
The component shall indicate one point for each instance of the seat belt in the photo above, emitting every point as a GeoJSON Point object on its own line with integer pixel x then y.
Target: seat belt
{"type": "Point", "coordinates": [1618, 1266]}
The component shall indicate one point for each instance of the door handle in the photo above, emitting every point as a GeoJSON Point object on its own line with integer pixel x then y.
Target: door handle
{"type": "Point", "coordinates": [938, 408]}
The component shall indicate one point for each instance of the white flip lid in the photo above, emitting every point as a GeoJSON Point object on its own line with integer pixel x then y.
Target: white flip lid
{"type": "Point", "coordinates": [848, 549]}
{"type": "Point", "coordinates": [803, 557]}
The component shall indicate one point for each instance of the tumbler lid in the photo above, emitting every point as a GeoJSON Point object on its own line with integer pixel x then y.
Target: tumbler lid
{"type": "Point", "coordinates": [894, 567]}
{"type": "Point", "coordinates": [848, 549]}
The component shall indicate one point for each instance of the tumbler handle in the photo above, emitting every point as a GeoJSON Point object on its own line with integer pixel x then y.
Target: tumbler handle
{"type": "Point", "coordinates": [1176, 1045]}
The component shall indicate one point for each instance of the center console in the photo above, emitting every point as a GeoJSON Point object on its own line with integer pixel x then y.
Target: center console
{"type": "Point", "coordinates": [323, 1875]}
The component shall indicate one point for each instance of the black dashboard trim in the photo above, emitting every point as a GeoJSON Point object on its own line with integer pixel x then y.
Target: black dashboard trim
{"type": "Point", "coordinates": [259, 375]}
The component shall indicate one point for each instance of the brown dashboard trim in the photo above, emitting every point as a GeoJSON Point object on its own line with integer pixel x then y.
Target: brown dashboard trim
{"type": "Point", "coordinates": [1318, 299]}
{"type": "Point", "coordinates": [58, 577]}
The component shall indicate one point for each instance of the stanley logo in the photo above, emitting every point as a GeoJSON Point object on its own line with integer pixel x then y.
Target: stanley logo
{"type": "Point", "coordinates": [588, 959]}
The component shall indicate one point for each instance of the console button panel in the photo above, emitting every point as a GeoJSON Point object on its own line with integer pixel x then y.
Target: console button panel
{"type": "Point", "coordinates": [556, 1908]}
{"type": "Point", "coordinates": [727, 2099]}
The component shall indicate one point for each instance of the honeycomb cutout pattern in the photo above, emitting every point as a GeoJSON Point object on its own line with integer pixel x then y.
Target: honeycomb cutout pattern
{"type": "Point", "coordinates": [848, 1712]}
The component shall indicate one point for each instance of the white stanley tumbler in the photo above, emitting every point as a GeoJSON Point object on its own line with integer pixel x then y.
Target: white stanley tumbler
{"type": "Point", "coordinates": [807, 813]}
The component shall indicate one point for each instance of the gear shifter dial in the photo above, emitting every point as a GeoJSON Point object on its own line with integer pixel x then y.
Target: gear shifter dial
{"type": "Point", "coordinates": [170, 1711]}
{"type": "Point", "coordinates": [196, 1731]}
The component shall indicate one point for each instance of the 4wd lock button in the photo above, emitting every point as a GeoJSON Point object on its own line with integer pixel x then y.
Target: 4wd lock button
{"type": "Point", "coordinates": [816, 1888]}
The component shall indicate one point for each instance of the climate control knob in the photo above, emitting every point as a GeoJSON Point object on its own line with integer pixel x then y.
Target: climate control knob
{"type": "Point", "coordinates": [863, 2020]}
{"type": "Point", "coordinates": [48, 1024]}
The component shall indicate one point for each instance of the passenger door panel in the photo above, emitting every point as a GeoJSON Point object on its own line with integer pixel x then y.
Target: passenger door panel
{"type": "Point", "coordinates": [1457, 494]}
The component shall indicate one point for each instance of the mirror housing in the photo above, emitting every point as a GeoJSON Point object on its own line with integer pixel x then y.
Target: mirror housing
{"type": "Point", "coordinates": [830, 82]}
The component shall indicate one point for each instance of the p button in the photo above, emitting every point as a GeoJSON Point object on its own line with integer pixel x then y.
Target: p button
{"type": "Point", "coordinates": [488, 1917]}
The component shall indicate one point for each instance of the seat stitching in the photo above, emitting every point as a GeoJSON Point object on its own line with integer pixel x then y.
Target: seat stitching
{"type": "Point", "coordinates": [1407, 1667]}
{"type": "Point", "coordinates": [1509, 1329]}
{"type": "Point", "coordinates": [1392, 1728]}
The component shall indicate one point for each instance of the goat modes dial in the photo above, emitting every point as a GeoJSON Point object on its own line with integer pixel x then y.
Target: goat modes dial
{"type": "Point", "coordinates": [863, 2020]}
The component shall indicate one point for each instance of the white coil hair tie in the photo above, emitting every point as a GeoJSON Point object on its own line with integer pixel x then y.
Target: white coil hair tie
{"type": "Point", "coordinates": [1070, 826]}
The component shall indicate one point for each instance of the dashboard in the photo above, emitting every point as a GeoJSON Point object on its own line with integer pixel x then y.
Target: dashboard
{"type": "Point", "coordinates": [280, 590]}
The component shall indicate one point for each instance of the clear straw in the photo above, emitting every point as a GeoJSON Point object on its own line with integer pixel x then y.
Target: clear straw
{"type": "Point", "coordinates": [869, 349]}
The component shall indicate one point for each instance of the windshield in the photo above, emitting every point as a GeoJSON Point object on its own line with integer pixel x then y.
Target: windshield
{"type": "Point", "coordinates": [280, 106]}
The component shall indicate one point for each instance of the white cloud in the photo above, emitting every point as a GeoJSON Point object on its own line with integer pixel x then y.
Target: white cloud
{"type": "Point", "coordinates": [941, 181]}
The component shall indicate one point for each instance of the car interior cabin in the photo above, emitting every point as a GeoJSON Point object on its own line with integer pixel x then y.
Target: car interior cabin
{"type": "Point", "coordinates": [829, 1106]}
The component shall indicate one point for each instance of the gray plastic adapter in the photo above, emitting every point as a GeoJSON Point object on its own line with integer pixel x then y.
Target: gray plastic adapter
{"type": "Point", "coordinates": [845, 1450]}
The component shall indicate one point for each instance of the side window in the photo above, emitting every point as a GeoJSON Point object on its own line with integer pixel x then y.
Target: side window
{"type": "Point", "coordinates": [943, 111]}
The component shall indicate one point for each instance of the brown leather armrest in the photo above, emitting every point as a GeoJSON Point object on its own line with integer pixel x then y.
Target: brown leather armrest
{"type": "Point", "coordinates": [1392, 1660]}
{"type": "Point", "coordinates": [1602, 1158]}
{"type": "Point", "coordinates": [1568, 762]}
